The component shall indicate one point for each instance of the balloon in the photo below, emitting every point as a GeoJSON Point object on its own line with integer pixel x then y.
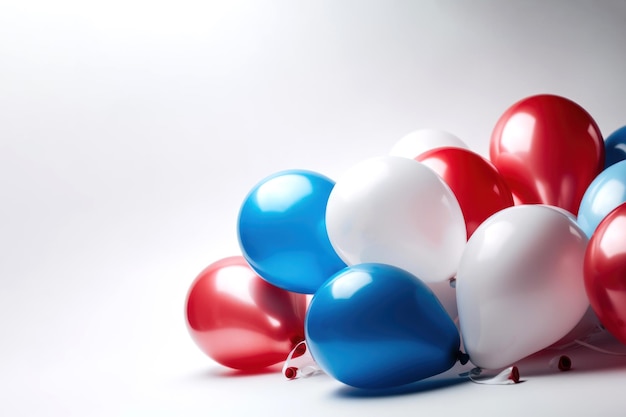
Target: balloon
{"type": "Point", "coordinates": [476, 183]}
{"type": "Point", "coordinates": [396, 211]}
{"type": "Point", "coordinates": [588, 326]}
{"type": "Point", "coordinates": [605, 193]}
{"type": "Point", "coordinates": [378, 326]}
{"type": "Point", "coordinates": [548, 149]}
{"type": "Point", "coordinates": [520, 284]}
{"type": "Point", "coordinates": [423, 140]}
{"type": "Point", "coordinates": [446, 294]}
{"type": "Point", "coordinates": [241, 321]}
{"type": "Point", "coordinates": [615, 146]}
{"type": "Point", "coordinates": [605, 272]}
{"type": "Point", "coordinates": [282, 231]}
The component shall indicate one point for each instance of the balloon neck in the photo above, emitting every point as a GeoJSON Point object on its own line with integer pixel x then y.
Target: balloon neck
{"type": "Point", "coordinates": [299, 348]}
{"type": "Point", "coordinates": [507, 376]}
{"type": "Point", "coordinates": [562, 363]}
{"type": "Point", "coordinates": [599, 349]}
{"type": "Point", "coordinates": [300, 363]}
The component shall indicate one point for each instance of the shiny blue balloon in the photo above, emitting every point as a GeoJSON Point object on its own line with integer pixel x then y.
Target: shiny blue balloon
{"type": "Point", "coordinates": [606, 192]}
{"type": "Point", "coordinates": [378, 326]}
{"type": "Point", "coordinates": [282, 231]}
{"type": "Point", "coordinates": [615, 147]}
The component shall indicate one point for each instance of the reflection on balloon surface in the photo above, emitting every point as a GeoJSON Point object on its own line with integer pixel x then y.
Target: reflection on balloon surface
{"type": "Point", "coordinates": [240, 320]}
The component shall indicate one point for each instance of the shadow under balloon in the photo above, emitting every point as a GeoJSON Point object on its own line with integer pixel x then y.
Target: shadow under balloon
{"type": "Point", "coordinates": [602, 353]}
{"type": "Point", "coordinates": [599, 352]}
{"type": "Point", "coordinates": [426, 385]}
{"type": "Point", "coordinates": [581, 360]}
{"type": "Point", "coordinates": [227, 373]}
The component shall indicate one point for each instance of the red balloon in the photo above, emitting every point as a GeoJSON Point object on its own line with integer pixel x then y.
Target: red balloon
{"type": "Point", "coordinates": [240, 320]}
{"type": "Point", "coordinates": [605, 272]}
{"type": "Point", "coordinates": [475, 182]}
{"type": "Point", "coordinates": [548, 149]}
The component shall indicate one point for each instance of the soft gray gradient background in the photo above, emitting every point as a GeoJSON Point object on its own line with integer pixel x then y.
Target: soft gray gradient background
{"type": "Point", "coordinates": [131, 131]}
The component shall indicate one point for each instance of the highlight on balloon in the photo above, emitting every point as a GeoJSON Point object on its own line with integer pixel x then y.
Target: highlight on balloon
{"type": "Point", "coordinates": [431, 260]}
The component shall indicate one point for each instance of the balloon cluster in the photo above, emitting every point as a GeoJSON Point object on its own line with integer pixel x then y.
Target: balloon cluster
{"type": "Point", "coordinates": [409, 255]}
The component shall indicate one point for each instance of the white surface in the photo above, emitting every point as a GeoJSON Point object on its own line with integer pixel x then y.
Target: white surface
{"type": "Point", "coordinates": [130, 132]}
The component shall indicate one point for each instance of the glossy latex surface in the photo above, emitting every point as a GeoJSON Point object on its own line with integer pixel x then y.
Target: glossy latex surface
{"type": "Point", "coordinates": [240, 320]}
{"type": "Point", "coordinates": [605, 272]}
{"type": "Point", "coordinates": [476, 183]}
{"type": "Point", "coordinates": [397, 211]}
{"type": "Point", "coordinates": [615, 146]}
{"type": "Point", "coordinates": [282, 231]}
{"type": "Point", "coordinates": [548, 149]}
{"type": "Point", "coordinates": [377, 326]}
{"type": "Point", "coordinates": [606, 192]}
{"type": "Point", "coordinates": [520, 284]}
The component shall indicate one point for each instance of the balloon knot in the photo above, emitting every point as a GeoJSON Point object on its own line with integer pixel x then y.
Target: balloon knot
{"type": "Point", "coordinates": [291, 372]}
{"type": "Point", "coordinates": [565, 363]}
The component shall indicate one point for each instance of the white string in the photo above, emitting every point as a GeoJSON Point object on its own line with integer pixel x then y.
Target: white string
{"type": "Point", "coordinates": [599, 349]}
{"type": "Point", "coordinates": [562, 363]}
{"type": "Point", "coordinates": [507, 376]}
{"type": "Point", "coordinates": [302, 366]}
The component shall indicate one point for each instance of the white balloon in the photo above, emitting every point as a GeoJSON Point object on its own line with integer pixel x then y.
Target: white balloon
{"type": "Point", "coordinates": [589, 325]}
{"type": "Point", "coordinates": [446, 294]}
{"type": "Point", "coordinates": [399, 212]}
{"type": "Point", "coordinates": [420, 141]}
{"type": "Point", "coordinates": [520, 285]}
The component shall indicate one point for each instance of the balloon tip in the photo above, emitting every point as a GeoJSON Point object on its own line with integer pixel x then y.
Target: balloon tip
{"type": "Point", "coordinates": [565, 363]}
{"type": "Point", "coordinates": [299, 350]}
{"type": "Point", "coordinates": [507, 376]}
{"type": "Point", "coordinates": [291, 372]}
{"type": "Point", "coordinates": [562, 363]}
{"type": "Point", "coordinates": [463, 357]}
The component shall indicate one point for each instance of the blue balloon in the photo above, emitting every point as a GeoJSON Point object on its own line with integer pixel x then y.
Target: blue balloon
{"type": "Point", "coordinates": [606, 192]}
{"type": "Point", "coordinates": [282, 231]}
{"type": "Point", "coordinates": [615, 147]}
{"type": "Point", "coordinates": [378, 326]}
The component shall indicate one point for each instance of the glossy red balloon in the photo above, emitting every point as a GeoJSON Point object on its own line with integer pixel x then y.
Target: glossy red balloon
{"type": "Point", "coordinates": [605, 272]}
{"type": "Point", "coordinates": [548, 149]}
{"type": "Point", "coordinates": [475, 182]}
{"type": "Point", "coordinates": [240, 320]}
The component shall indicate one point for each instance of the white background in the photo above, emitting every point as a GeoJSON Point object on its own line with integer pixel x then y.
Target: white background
{"type": "Point", "coordinates": [131, 131]}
